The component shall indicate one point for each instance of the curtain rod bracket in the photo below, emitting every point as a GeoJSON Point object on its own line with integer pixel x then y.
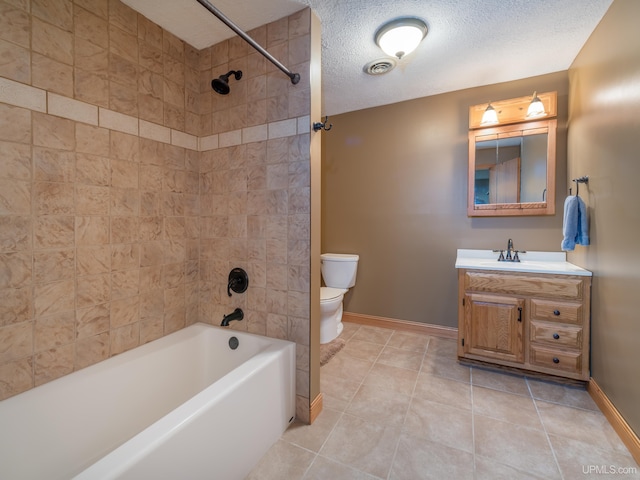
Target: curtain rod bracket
{"type": "Point", "coordinates": [295, 77]}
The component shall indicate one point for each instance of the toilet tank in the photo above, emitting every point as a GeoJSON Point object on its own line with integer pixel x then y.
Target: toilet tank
{"type": "Point", "coordinates": [339, 269]}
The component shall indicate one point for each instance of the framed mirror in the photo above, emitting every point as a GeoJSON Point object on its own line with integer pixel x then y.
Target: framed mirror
{"type": "Point", "coordinates": [512, 169]}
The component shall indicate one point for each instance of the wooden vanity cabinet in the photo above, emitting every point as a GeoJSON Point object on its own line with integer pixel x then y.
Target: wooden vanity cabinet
{"type": "Point", "coordinates": [532, 322]}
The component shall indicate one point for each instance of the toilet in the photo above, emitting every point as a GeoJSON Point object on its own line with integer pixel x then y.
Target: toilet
{"type": "Point", "coordinates": [339, 274]}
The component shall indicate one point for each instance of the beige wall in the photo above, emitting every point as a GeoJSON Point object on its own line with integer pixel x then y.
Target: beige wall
{"type": "Point", "coordinates": [394, 190]}
{"type": "Point", "coordinates": [129, 189]}
{"type": "Point", "coordinates": [603, 143]}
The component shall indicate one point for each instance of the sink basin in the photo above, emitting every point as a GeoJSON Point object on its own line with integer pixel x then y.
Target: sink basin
{"type": "Point", "coordinates": [532, 262]}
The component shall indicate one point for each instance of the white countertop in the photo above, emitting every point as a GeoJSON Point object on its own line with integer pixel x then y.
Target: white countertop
{"type": "Point", "coordinates": [530, 262]}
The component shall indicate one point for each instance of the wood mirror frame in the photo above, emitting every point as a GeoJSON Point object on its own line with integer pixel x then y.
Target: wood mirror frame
{"type": "Point", "coordinates": [510, 110]}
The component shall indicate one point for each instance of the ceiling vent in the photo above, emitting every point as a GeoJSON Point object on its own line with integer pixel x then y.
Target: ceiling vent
{"type": "Point", "coordinates": [380, 67]}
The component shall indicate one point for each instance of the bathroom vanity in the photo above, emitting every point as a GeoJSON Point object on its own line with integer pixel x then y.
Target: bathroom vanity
{"type": "Point", "coordinates": [531, 315]}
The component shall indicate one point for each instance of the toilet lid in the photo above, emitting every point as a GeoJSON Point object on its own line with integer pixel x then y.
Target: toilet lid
{"type": "Point", "coordinates": [329, 293]}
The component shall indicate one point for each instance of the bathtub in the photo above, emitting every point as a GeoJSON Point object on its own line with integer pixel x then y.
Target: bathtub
{"type": "Point", "coordinates": [184, 406]}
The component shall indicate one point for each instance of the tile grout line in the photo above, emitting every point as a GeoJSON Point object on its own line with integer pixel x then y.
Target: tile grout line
{"type": "Point", "coordinates": [553, 451]}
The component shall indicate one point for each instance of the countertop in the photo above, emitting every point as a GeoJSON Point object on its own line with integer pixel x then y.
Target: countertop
{"type": "Point", "coordinates": [530, 262]}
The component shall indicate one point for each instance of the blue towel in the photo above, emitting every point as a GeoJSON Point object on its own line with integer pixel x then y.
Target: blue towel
{"type": "Point", "coordinates": [575, 227]}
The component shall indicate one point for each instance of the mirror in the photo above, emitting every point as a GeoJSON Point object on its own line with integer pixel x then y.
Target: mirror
{"type": "Point", "coordinates": [512, 170]}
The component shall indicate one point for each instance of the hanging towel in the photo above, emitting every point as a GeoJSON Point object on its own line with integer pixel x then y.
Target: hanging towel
{"type": "Point", "coordinates": [575, 227]}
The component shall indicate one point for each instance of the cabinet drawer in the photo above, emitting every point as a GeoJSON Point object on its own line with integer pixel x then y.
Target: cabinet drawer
{"type": "Point", "coordinates": [563, 361]}
{"type": "Point", "coordinates": [556, 334]}
{"type": "Point", "coordinates": [554, 311]}
{"type": "Point", "coordinates": [525, 285]}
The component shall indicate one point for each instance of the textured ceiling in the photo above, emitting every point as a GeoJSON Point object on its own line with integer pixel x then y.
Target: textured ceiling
{"type": "Point", "coordinates": [470, 42]}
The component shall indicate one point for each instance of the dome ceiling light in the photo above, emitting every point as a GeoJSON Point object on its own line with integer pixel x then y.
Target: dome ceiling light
{"type": "Point", "coordinates": [401, 36]}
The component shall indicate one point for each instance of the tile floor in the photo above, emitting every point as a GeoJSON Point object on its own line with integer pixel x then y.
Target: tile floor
{"type": "Point", "coordinates": [397, 405]}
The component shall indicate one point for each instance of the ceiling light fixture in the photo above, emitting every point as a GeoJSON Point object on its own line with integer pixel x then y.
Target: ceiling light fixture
{"type": "Point", "coordinates": [401, 36]}
{"type": "Point", "coordinates": [536, 107]}
{"type": "Point", "coordinates": [490, 116]}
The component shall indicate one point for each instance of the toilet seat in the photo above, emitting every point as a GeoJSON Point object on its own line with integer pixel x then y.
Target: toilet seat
{"type": "Point", "coordinates": [330, 293]}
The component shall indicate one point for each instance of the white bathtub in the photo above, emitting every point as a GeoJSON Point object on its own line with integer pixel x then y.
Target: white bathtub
{"type": "Point", "coordinates": [185, 406]}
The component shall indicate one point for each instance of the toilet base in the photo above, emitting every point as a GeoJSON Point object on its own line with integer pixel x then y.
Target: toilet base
{"type": "Point", "coordinates": [331, 327]}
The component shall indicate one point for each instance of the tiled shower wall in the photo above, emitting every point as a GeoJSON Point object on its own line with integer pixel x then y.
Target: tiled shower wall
{"type": "Point", "coordinates": [128, 189]}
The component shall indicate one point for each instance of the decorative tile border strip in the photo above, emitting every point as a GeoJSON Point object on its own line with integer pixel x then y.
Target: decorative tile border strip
{"type": "Point", "coordinates": [39, 100]}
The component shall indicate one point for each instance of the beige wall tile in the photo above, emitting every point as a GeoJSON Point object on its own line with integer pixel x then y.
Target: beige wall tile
{"type": "Point", "coordinates": [92, 320]}
{"type": "Point", "coordinates": [92, 350]}
{"type": "Point", "coordinates": [125, 311]}
{"type": "Point", "coordinates": [118, 121]}
{"type": "Point", "coordinates": [52, 41]}
{"type": "Point", "coordinates": [125, 338]}
{"type": "Point", "coordinates": [53, 231]}
{"type": "Point", "coordinates": [58, 13]}
{"type": "Point", "coordinates": [89, 26]}
{"type": "Point", "coordinates": [16, 306]}
{"type": "Point", "coordinates": [53, 198]}
{"type": "Point", "coordinates": [93, 290]}
{"type": "Point", "coordinates": [91, 87]}
{"type": "Point", "coordinates": [15, 233]}
{"type": "Point", "coordinates": [53, 265]}
{"type": "Point", "coordinates": [89, 56]}
{"type": "Point", "coordinates": [125, 201]}
{"type": "Point", "coordinates": [123, 43]}
{"type": "Point", "coordinates": [125, 283]}
{"type": "Point", "coordinates": [91, 139]}
{"type": "Point", "coordinates": [15, 161]}
{"type": "Point", "coordinates": [16, 62]}
{"type": "Point", "coordinates": [17, 377]}
{"type": "Point", "coordinates": [15, 197]}
{"type": "Point", "coordinates": [125, 146]}
{"type": "Point", "coordinates": [92, 200]}
{"type": "Point", "coordinates": [54, 331]}
{"type": "Point", "coordinates": [55, 297]}
{"type": "Point", "coordinates": [123, 99]}
{"type": "Point", "coordinates": [51, 75]}
{"type": "Point", "coordinates": [53, 165]}
{"type": "Point", "coordinates": [15, 270]}
{"type": "Point", "coordinates": [123, 16]}
{"type": "Point", "coordinates": [93, 260]}
{"type": "Point", "coordinates": [14, 25]}
{"type": "Point", "coordinates": [93, 170]}
{"type": "Point", "coordinates": [54, 363]}
{"type": "Point", "coordinates": [15, 124]}
{"type": "Point", "coordinates": [53, 132]}
{"type": "Point", "coordinates": [124, 174]}
{"type": "Point", "coordinates": [91, 230]}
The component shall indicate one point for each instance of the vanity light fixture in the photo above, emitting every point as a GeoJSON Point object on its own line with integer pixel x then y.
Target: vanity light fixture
{"type": "Point", "coordinates": [490, 116]}
{"type": "Point", "coordinates": [401, 36]}
{"type": "Point", "coordinates": [536, 107]}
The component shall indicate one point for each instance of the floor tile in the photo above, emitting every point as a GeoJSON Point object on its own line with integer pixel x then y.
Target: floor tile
{"type": "Point", "coordinates": [394, 379]}
{"type": "Point", "coordinates": [564, 394]}
{"type": "Point", "coordinates": [421, 459]}
{"type": "Point", "coordinates": [523, 448]}
{"type": "Point", "coordinates": [313, 436]}
{"type": "Point", "coordinates": [401, 358]}
{"type": "Point", "coordinates": [443, 390]}
{"type": "Point", "coordinates": [363, 350]}
{"type": "Point", "coordinates": [440, 423]}
{"type": "Point", "coordinates": [373, 334]}
{"type": "Point", "coordinates": [503, 381]}
{"type": "Point", "coordinates": [582, 425]}
{"type": "Point", "coordinates": [409, 341]}
{"type": "Point", "coordinates": [489, 470]}
{"type": "Point", "coordinates": [506, 406]}
{"type": "Point", "coordinates": [580, 460]}
{"type": "Point", "coordinates": [337, 392]}
{"type": "Point", "coordinates": [378, 405]}
{"type": "Point", "coordinates": [445, 366]}
{"type": "Point", "coordinates": [283, 460]}
{"type": "Point", "coordinates": [325, 469]}
{"type": "Point", "coordinates": [348, 367]}
{"type": "Point", "coordinates": [363, 445]}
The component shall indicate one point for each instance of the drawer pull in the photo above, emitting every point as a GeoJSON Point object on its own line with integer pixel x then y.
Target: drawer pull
{"type": "Point", "coordinates": [519, 314]}
{"type": "Point", "coordinates": [556, 360]}
{"type": "Point", "coordinates": [556, 312]}
{"type": "Point", "coordinates": [556, 336]}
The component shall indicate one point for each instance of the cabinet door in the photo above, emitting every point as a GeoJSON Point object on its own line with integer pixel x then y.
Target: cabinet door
{"type": "Point", "coordinates": [494, 327]}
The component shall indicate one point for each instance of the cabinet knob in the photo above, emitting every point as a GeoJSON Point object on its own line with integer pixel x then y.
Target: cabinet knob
{"type": "Point", "coordinates": [556, 336]}
{"type": "Point", "coordinates": [556, 312]}
{"type": "Point", "coordinates": [556, 360]}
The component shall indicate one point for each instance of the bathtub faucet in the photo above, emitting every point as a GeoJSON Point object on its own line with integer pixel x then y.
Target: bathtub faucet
{"type": "Point", "coordinates": [237, 314]}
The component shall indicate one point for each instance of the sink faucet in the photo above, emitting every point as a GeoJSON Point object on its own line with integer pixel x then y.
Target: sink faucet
{"type": "Point", "coordinates": [509, 258]}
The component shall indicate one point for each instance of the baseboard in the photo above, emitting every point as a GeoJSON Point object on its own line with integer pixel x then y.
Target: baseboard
{"type": "Point", "coordinates": [403, 325]}
{"type": "Point", "coordinates": [619, 424]}
{"type": "Point", "coordinates": [315, 408]}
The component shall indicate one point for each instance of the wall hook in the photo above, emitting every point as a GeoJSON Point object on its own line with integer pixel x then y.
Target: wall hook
{"type": "Point", "coordinates": [584, 179]}
{"type": "Point", "coordinates": [322, 125]}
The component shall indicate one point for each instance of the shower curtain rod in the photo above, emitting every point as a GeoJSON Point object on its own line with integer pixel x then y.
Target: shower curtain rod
{"type": "Point", "coordinates": [295, 77]}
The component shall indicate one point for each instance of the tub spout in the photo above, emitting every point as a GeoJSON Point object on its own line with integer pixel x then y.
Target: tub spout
{"type": "Point", "coordinates": [237, 314]}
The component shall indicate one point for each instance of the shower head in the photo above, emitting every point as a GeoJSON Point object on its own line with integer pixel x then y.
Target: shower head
{"type": "Point", "coordinates": [221, 84]}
